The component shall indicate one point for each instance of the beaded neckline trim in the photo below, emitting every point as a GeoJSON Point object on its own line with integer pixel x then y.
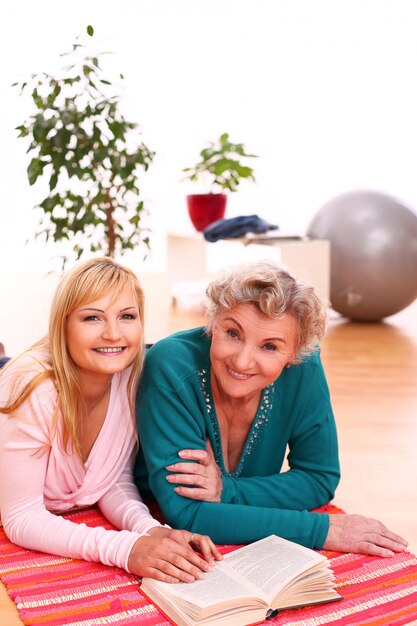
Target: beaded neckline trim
{"type": "Point", "coordinates": [259, 423]}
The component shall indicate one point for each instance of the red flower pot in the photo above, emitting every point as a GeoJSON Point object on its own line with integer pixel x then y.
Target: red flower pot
{"type": "Point", "coordinates": [206, 208]}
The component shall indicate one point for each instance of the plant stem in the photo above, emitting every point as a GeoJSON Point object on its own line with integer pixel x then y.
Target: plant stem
{"type": "Point", "coordinates": [111, 235]}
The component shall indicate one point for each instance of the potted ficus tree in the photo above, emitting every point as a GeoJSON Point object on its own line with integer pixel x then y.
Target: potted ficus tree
{"type": "Point", "coordinates": [222, 167]}
{"type": "Point", "coordinates": [91, 156]}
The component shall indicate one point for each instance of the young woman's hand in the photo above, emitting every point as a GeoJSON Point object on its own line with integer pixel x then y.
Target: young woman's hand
{"type": "Point", "coordinates": [168, 555]}
{"type": "Point", "coordinates": [356, 533]}
{"type": "Point", "coordinates": [199, 481]}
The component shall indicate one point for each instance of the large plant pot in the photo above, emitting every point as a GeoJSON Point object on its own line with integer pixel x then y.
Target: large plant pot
{"type": "Point", "coordinates": [206, 208]}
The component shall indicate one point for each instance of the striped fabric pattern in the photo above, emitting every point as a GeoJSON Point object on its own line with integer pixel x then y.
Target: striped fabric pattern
{"type": "Point", "coordinates": [53, 591]}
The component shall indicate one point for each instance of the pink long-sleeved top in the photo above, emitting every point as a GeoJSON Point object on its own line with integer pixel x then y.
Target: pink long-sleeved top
{"type": "Point", "coordinates": [38, 477]}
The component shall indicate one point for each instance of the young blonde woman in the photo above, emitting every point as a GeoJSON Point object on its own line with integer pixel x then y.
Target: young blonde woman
{"type": "Point", "coordinates": [67, 434]}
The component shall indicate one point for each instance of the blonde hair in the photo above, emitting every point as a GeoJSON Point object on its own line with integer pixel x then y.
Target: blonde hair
{"type": "Point", "coordinates": [86, 282]}
{"type": "Point", "coordinates": [275, 293]}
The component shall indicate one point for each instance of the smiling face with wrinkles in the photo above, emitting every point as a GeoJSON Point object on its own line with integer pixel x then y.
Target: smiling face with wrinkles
{"type": "Point", "coordinates": [249, 350]}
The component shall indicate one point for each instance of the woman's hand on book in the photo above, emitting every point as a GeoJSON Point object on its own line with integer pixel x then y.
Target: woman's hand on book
{"type": "Point", "coordinates": [167, 555]}
{"type": "Point", "coordinates": [199, 481]}
{"type": "Point", "coordinates": [357, 533]}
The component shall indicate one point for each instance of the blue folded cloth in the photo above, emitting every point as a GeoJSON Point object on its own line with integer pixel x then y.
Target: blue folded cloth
{"type": "Point", "coordinates": [237, 227]}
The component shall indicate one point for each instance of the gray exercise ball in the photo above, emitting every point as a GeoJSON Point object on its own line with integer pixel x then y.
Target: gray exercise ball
{"type": "Point", "coordinates": [373, 248]}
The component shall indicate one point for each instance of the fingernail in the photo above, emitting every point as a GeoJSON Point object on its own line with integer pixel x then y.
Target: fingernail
{"type": "Point", "coordinates": [200, 575]}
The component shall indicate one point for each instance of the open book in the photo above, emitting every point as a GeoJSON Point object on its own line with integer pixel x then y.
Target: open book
{"type": "Point", "coordinates": [248, 586]}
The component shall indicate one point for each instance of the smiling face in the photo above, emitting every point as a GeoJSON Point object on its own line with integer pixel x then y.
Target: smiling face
{"type": "Point", "coordinates": [104, 336]}
{"type": "Point", "coordinates": [249, 350]}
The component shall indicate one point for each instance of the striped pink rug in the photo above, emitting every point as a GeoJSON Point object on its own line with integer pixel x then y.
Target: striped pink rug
{"type": "Point", "coordinates": [53, 591]}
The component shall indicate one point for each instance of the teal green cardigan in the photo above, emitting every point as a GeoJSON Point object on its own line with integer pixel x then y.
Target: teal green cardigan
{"type": "Point", "coordinates": [175, 410]}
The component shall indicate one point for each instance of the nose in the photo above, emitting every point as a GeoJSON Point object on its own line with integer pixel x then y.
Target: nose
{"type": "Point", "coordinates": [111, 331]}
{"type": "Point", "coordinates": [244, 358]}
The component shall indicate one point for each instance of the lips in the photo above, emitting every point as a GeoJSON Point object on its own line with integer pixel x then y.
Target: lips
{"type": "Point", "coordinates": [238, 375]}
{"type": "Point", "coordinates": [117, 350]}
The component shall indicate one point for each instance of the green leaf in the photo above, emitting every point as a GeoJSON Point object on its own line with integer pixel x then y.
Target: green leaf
{"type": "Point", "coordinates": [90, 30]}
{"type": "Point", "coordinates": [244, 171]}
{"type": "Point", "coordinates": [53, 182]}
{"type": "Point", "coordinates": [223, 165]}
{"type": "Point", "coordinates": [50, 202]}
{"type": "Point", "coordinates": [87, 70]}
{"type": "Point", "coordinates": [35, 169]}
{"type": "Point", "coordinates": [23, 131]}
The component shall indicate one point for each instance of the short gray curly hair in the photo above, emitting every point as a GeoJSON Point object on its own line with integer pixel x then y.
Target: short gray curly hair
{"type": "Point", "coordinates": [274, 292]}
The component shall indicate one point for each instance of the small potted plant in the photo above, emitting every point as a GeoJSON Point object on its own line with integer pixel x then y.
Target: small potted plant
{"type": "Point", "coordinates": [221, 166]}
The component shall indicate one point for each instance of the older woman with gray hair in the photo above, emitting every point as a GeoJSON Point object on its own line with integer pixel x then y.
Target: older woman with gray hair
{"type": "Point", "coordinates": [219, 408]}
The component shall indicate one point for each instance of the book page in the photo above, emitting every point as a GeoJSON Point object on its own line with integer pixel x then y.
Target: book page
{"type": "Point", "coordinates": [216, 587]}
{"type": "Point", "coordinates": [271, 563]}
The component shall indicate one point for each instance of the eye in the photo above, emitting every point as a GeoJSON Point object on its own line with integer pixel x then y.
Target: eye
{"type": "Point", "coordinates": [270, 347]}
{"type": "Point", "coordinates": [128, 316]}
{"type": "Point", "coordinates": [91, 318]}
{"type": "Point", "coordinates": [232, 333]}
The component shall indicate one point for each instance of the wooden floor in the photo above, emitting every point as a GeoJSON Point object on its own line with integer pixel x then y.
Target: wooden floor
{"type": "Point", "coordinates": [372, 374]}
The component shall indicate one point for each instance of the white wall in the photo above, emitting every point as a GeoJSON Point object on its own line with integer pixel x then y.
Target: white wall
{"type": "Point", "coordinates": [324, 91]}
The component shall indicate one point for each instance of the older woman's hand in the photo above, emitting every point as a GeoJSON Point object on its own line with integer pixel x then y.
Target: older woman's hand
{"type": "Point", "coordinates": [356, 533]}
{"type": "Point", "coordinates": [198, 481]}
{"type": "Point", "coordinates": [168, 555]}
